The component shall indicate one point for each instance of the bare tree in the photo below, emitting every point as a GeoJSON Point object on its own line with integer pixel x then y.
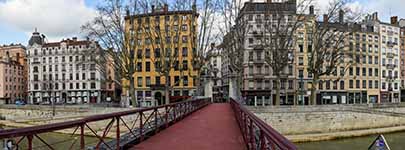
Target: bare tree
{"type": "Point", "coordinates": [329, 40]}
{"type": "Point", "coordinates": [277, 37]}
{"type": "Point", "coordinates": [119, 41]}
{"type": "Point", "coordinates": [234, 30]}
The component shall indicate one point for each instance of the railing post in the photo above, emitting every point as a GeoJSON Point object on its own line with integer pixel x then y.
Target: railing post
{"type": "Point", "coordinates": [82, 136]}
{"type": "Point", "coordinates": [166, 117]}
{"type": "Point", "coordinates": [141, 125]}
{"type": "Point", "coordinates": [252, 133]}
{"type": "Point", "coordinates": [118, 133]}
{"type": "Point", "coordinates": [174, 113]}
{"type": "Point", "coordinates": [262, 140]}
{"type": "Point", "coordinates": [156, 120]}
{"type": "Point", "coordinates": [29, 137]}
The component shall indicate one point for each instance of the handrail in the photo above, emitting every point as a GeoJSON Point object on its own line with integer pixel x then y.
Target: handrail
{"type": "Point", "coordinates": [147, 120]}
{"type": "Point", "coordinates": [257, 134]}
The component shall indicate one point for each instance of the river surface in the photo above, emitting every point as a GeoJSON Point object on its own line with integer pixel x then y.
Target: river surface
{"type": "Point", "coordinates": [56, 140]}
{"type": "Point", "coordinates": [396, 141]}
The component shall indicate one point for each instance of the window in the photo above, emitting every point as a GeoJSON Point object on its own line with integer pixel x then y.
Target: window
{"type": "Point", "coordinates": [301, 73]}
{"type": "Point", "coordinates": [93, 85]}
{"type": "Point", "coordinates": [383, 85]}
{"type": "Point", "coordinates": [157, 52]}
{"type": "Point", "coordinates": [351, 84]}
{"type": "Point", "coordinates": [184, 39]}
{"type": "Point", "coordinates": [93, 76]}
{"type": "Point", "coordinates": [376, 72]}
{"type": "Point", "coordinates": [157, 80]}
{"type": "Point", "coordinates": [370, 84]}
{"type": "Point", "coordinates": [342, 84]}
{"type": "Point", "coordinates": [370, 72]}
{"type": "Point", "coordinates": [83, 76]}
{"type": "Point", "coordinates": [250, 56]}
{"type": "Point", "coordinates": [185, 81]}
{"type": "Point", "coordinates": [328, 85]}
{"type": "Point", "coordinates": [176, 81]}
{"type": "Point", "coordinates": [139, 67]}
{"type": "Point", "coordinates": [351, 71]}
{"type": "Point", "coordinates": [300, 61]}
{"type": "Point", "coordinates": [147, 81]}
{"type": "Point", "coordinates": [83, 85]}
{"type": "Point", "coordinates": [358, 84]}
{"type": "Point", "coordinates": [70, 76]}
{"type": "Point", "coordinates": [35, 69]}
{"type": "Point", "coordinates": [364, 85]}
{"type": "Point", "coordinates": [376, 84]}
{"type": "Point", "coordinates": [139, 81]}
{"type": "Point", "coordinates": [301, 48]}
{"type": "Point", "coordinates": [185, 65]}
{"type": "Point", "coordinates": [147, 66]}
{"type": "Point", "coordinates": [147, 53]}
{"type": "Point", "coordinates": [357, 71]}
{"type": "Point", "coordinates": [77, 76]}
{"type": "Point", "coordinates": [364, 71]}
{"type": "Point", "coordinates": [185, 52]}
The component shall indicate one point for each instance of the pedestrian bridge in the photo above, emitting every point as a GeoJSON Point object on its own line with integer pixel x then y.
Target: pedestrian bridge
{"type": "Point", "coordinates": [196, 124]}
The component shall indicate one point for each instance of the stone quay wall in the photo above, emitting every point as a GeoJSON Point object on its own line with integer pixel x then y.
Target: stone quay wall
{"type": "Point", "coordinates": [295, 120]}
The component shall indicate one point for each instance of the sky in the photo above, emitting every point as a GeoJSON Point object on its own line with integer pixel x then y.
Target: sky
{"type": "Point", "coordinates": [59, 19]}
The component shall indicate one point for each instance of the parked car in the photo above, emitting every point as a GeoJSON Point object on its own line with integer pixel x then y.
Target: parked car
{"type": "Point", "coordinates": [20, 102]}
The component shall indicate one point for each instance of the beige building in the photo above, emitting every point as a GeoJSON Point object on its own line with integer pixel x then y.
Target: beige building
{"type": "Point", "coordinates": [354, 82]}
{"type": "Point", "coordinates": [13, 73]}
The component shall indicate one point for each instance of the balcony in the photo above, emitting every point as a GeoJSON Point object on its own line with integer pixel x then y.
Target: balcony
{"type": "Point", "coordinates": [391, 66]}
{"type": "Point", "coordinates": [390, 55]}
{"type": "Point", "coordinates": [258, 61]}
{"type": "Point", "coordinates": [259, 75]}
{"type": "Point", "coordinates": [390, 44]}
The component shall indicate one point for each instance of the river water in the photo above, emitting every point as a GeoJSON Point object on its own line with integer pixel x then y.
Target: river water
{"type": "Point", "coordinates": [396, 141]}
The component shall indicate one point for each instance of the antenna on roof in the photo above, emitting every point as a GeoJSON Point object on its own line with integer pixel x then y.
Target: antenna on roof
{"type": "Point", "coordinates": [36, 30]}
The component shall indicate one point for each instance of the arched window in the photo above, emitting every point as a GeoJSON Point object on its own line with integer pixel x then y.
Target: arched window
{"type": "Point", "coordinates": [35, 69]}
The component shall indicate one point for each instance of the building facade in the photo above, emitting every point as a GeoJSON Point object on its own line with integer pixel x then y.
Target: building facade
{"type": "Point", "coordinates": [13, 73]}
{"type": "Point", "coordinates": [60, 72]}
{"type": "Point", "coordinates": [178, 28]}
{"type": "Point", "coordinates": [259, 81]}
{"type": "Point", "coordinates": [389, 34]}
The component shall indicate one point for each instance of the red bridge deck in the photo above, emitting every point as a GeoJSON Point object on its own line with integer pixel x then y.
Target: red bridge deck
{"type": "Point", "coordinates": [211, 128]}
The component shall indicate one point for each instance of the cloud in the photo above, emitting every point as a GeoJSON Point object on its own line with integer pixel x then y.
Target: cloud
{"type": "Point", "coordinates": [386, 8]}
{"type": "Point", "coordinates": [54, 18]}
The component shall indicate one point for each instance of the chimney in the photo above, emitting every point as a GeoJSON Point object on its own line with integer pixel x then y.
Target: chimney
{"type": "Point", "coordinates": [325, 18]}
{"type": "Point", "coordinates": [153, 8]}
{"type": "Point", "coordinates": [166, 8]}
{"type": "Point", "coordinates": [311, 10]}
{"type": "Point", "coordinates": [74, 39]}
{"type": "Point", "coordinates": [341, 16]}
{"type": "Point", "coordinates": [375, 16]}
{"type": "Point", "coordinates": [394, 20]}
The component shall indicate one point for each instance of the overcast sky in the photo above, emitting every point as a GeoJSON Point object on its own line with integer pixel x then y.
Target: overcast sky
{"type": "Point", "coordinates": [59, 19]}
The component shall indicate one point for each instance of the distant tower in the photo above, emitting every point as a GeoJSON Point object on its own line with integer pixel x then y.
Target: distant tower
{"type": "Point", "coordinates": [35, 38]}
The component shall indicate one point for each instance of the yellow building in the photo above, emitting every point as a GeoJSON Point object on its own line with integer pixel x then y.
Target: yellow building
{"type": "Point", "coordinates": [164, 39]}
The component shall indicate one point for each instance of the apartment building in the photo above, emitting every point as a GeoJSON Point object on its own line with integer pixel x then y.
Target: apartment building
{"type": "Point", "coordinates": [60, 72]}
{"type": "Point", "coordinates": [179, 27]}
{"type": "Point", "coordinates": [13, 73]}
{"type": "Point", "coordinates": [389, 34]}
{"type": "Point", "coordinates": [258, 78]}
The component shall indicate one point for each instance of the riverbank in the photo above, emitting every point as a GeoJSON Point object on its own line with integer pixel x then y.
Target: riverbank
{"type": "Point", "coordinates": [33, 115]}
{"type": "Point", "coordinates": [329, 122]}
{"type": "Point", "coordinates": [343, 134]}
